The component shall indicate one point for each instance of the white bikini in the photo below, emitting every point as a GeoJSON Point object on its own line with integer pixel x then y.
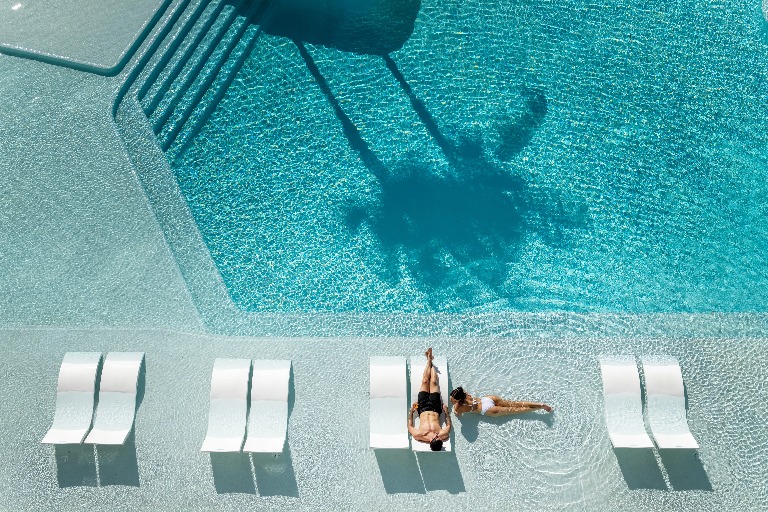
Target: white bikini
{"type": "Point", "coordinates": [484, 402]}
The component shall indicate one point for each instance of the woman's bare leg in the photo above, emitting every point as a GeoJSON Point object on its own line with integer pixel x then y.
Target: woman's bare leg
{"type": "Point", "coordinates": [517, 407]}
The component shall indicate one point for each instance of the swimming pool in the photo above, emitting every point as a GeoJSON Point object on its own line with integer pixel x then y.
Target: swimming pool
{"type": "Point", "coordinates": [507, 158]}
{"type": "Point", "coordinates": [102, 252]}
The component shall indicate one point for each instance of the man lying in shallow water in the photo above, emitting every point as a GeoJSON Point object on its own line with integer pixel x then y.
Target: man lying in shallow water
{"type": "Point", "coordinates": [491, 405]}
{"type": "Point", "coordinates": [429, 405]}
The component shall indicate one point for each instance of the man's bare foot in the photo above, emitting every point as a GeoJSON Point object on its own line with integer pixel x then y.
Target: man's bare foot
{"type": "Point", "coordinates": [428, 353]}
{"type": "Point", "coordinates": [546, 408]}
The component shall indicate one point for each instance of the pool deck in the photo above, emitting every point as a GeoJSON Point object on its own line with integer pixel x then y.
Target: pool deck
{"type": "Point", "coordinates": [98, 37]}
{"type": "Point", "coordinates": [85, 266]}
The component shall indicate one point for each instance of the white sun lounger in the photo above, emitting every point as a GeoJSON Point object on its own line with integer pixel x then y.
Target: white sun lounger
{"type": "Point", "coordinates": [417, 370]}
{"type": "Point", "coordinates": [623, 408]}
{"type": "Point", "coordinates": [268, 418]}
{"type": "Point", "coordinates": [117, 398]}
{"type": "Point", "coordinates": [229, 406]}
{"type": "Point", "coordinates": [389, 400]}
{"type": "Point", "coordinates": [665, 403]}
{"type": "Point", "coordinates": [74, 398]}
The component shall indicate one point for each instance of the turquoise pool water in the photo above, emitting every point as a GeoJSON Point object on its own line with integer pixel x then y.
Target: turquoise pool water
{"type": "Point", "coordinates": [513, 156]}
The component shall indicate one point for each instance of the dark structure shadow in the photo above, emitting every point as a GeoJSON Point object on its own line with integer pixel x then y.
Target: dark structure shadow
{"type": "Point", "coordinates": [374, 27]}
{"type": "Point", "coordinates": [685, 470]}
{"type": "Point", "coordinates": [75, 465]}
{"type": "Point", "coordinates": [640, 469]}
{"type": "Point", "coordinates": [440, 471]}
{"type": "Point", "coordinates": [516, 132]}
{"type": "Point", "coordinates": [476, 213]}
{"type": "Point", "coordinates": [400, 471]}
{"type": "Point", "coordinates": [273, 474]}
{"type": "Point", "coordinates": [117, 463]}
{"type": "Point", "coordinates": [232, 473]}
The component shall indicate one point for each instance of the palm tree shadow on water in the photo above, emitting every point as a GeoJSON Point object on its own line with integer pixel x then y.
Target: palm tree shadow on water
{"type": "Point", "coordinates": [456, 231]}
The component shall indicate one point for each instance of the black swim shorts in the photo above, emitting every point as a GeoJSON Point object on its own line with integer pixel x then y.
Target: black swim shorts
{"type": "Point", "coordinates": [429, 402]}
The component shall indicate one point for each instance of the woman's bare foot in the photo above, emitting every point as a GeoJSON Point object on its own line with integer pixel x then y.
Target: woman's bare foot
{"type": "Point", "coordinates": [428, 353]}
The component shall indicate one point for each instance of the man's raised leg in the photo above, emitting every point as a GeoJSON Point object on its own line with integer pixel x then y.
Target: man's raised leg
{"type": "Point", "coordinates": [426, 378]}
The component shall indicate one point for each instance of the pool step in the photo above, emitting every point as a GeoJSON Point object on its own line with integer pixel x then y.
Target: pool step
{"type": "Point", "coordinates": [201, 51]}
{"type": "Point", "coordinates": [188, 125]}
{"type": "Point", "coordinates": [183, 44]}
{"type": "Point", "coordinates": [199, 61]}
{"type": "Point", "coordinates": [216, 75]}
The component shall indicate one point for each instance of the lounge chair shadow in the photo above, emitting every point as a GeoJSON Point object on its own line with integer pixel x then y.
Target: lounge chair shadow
{"type": "Point", "coordinates": [685, 470]}
{"type": "Point", "coordinates": [273, 474]}
{"type": "Point", "coordinates": [75, 465]}
{"type": "Point", "coordinates": [118, 464]}
{"type": "Point", "coordinates": [232, 473]}
{"type": "Point", "coordinates": [400, 471]}
{"type": "Point", "coordinates": [639, 468]}
{"type": "Point", "coordinates": [141, 383]}
{"type": "Point", "coordinates": [440, 471]}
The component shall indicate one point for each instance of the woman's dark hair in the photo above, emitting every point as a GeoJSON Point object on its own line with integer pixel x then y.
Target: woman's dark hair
{"type": "Point", "coordinates": [436, 445]}
{"type": "Point", "coordinates": [458, 394]}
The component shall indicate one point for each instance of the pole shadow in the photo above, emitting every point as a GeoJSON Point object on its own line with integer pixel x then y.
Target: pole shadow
{"type": "Point", "coordinates": [400, 471]}
{"type": "Point", "coordinates": [118, 464]}
{"type": "Point", "coordinates": [685, 470]}
{"type": "Point", "coordinates": [75, 465]}
{"type": "Point", "coordinates": [273, 474]}
{"type": "Point", "coordinates": [640, 469]}
{"type": "Point", "coordinates": [446, 146]}
{"type": "Point", "coordinates": [356, 141]}
{"type": "Point", "coordinates": [232, 473]}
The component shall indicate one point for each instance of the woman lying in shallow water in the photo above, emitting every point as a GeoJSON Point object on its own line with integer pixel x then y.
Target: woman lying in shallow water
{"type": "Point", "coordinates": [491, 405]}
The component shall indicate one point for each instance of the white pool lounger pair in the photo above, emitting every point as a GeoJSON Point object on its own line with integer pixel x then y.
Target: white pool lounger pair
{"type": "Point", "coordinates": [389, 400]}
{"type": "Point", "coordinates": [229, 419]}
{"type": "Point", "coordinates": [75, 393]}
{"type": "Point", "coordinates": [665, 404]}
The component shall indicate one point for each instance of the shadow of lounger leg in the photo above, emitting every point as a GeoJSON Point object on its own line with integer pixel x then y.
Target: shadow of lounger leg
{"type": "Point", "coordinates": [232, 473]}
{"type": "Point", "coordinates": [274, 474]}
{"type": "Point", "coordinates": [684, 470]}
{"type": "Point", "coordinates": [75, 465]}
{"type": "Point", "coordinates": [640, 469]}
{"type": "Point", "coordinates": [117, 464]}
{"type": "Point", "coordinates": [400, 471]}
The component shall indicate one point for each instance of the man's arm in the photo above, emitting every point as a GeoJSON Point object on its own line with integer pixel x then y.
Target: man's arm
{"type": "Point", "coordinates": [446, 430]}
{"type": "Point", "coordinates": [411, 428]}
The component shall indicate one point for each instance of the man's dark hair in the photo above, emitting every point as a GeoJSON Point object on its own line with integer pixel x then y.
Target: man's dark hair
{"type": "Point", "coordinates": [458, 394]}
{"type": "Point", "coordinates": [436, 445]}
